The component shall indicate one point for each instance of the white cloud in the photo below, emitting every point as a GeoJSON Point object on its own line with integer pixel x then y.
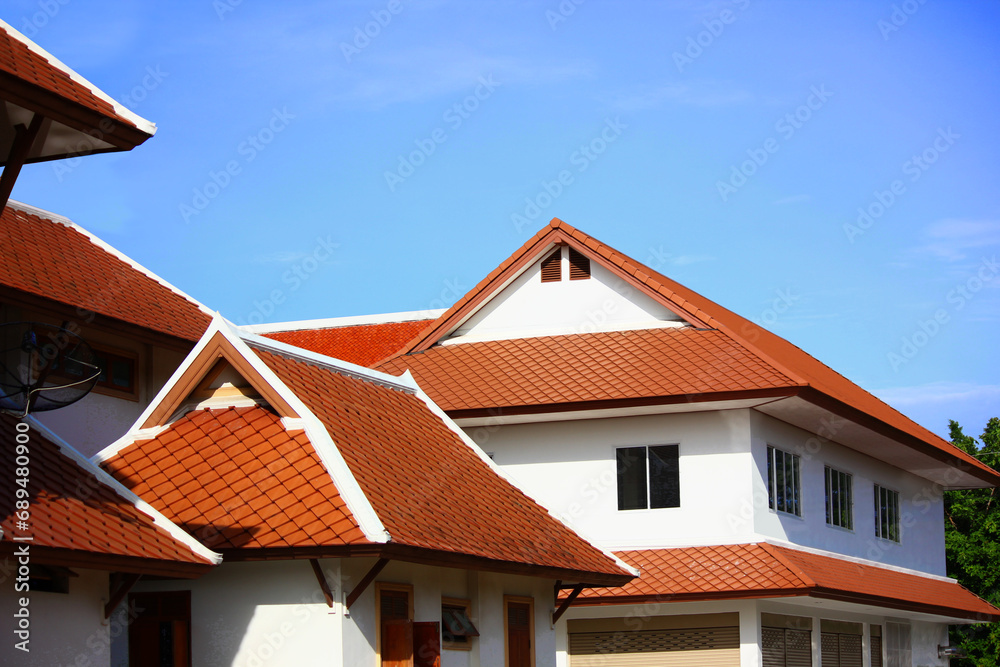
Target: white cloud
{"type": "Point", "coordinates": [938, 393]}
{"type": "Point", "coordinates": [955, 239]}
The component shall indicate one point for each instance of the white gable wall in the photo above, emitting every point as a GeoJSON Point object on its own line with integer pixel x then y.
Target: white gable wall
{"type": "Point", "coordinates": [528, 307]}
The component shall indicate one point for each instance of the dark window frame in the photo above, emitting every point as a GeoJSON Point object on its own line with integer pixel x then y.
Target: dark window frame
{"type": "Point", "coordinates": [636, 467]}
{"type": "Point", "coordinates": [782, 496]}
{"type": "Point", "coordinates": [839, 487]}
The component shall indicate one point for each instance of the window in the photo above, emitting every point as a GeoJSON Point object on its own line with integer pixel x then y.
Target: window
{"type": "Point", "coordinates": [552, 267]}
{"type": "Point", "coordinates": [839, 498]}
{"type": "Point", "coordinates": [784, 485]}
{"type": "Point", "coordinates": [117, 372]}
{"type": "Point", "coordinates": [648, 477]}
{"type": "Point", "coordinates": [886, 513]}
{"type": "Point", "coordinates": [519, 631]}
{"type": "Point", "coordinates": [457, 629]}
{"type": "Point", "coordinates": [898, 651]}
{"type": "Point", "coordinates": [579, 265]}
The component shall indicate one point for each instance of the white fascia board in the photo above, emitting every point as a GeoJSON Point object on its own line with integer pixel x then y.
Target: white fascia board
{"type": "Point", "coordinates": [337, 322]}
{"type": "Point", "coordinates": [500, 472]}
{"type": "Point", "coordinates": [104, 478]}
{"type": "Point", "coordinates": [120, 109]}
{"type": "Point", "coordinates": [399, 382]}
{"type": "Point", "coordinates": [62, 220]}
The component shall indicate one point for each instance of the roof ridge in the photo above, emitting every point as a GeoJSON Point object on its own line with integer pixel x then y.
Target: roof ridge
{"type": "Point", "coordinates": [797, 571]}
{"type": "Point", "coordinates": [349, 321]}
{"type": "Point", "coordinates": [122, 491]}
{"type": "Point", "coordinates": [121, 110]}
{"type": "Point", "coordinates": [108, 248]}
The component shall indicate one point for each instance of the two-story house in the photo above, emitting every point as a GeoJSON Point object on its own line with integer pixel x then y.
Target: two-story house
{"type": "Point", "coordinates": [778, 513]}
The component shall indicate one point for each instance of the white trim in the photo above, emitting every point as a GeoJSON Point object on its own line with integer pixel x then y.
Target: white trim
{"type": "Point", "coordinates": [62, 220]}
{"type": "Point", "coordinates": [502, 474]}
{"type": "Point", "coordinates": [158, 519]}
{"type": "Point", "coordinates": [122, 111]}
{"type": "Point", "coordinates": [321, 440]}
{"type": "Point", "coordinates": [402, 383]}
{"type": "Point", "coordinates": [337, 322]}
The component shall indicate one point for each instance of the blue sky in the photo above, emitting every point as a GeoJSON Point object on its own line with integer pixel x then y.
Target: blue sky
{"type": "Point", "coordinates": [826, 169]}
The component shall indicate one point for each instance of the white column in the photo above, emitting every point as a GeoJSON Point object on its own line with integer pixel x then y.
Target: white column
{"type": "Point", "coordinates": [750, 653]}
{"type": "Point", "coordinates": [817, 642]}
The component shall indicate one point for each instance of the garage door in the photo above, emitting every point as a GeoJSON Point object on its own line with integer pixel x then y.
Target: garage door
{"type": "Point", "coordinates": [709, 640]}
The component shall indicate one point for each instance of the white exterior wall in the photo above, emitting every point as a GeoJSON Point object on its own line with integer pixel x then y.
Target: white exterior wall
{"type": "Point", "coordinates": [570, 468]}
{"type": "Point", "coordinates": [921, 503]}
{"type": "Point", "coordinates": [273, 614]}
{"type": "Point", "coordinates": [529, 307]}
{"type": "Point", "coordinates": [66, 629]}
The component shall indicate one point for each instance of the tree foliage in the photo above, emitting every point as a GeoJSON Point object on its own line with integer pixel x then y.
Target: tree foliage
{"type": "Point", "coordinates": [972, 542]}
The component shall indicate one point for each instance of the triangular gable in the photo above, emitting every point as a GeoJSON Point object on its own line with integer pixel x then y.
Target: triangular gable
{"type": "Point", "coordinates": [222, 342]}
{"type": "Point", "coordinates": [811, 380]}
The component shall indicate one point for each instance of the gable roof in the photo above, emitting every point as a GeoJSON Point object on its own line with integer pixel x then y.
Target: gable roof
{"type": "Point", "coordinates": [748, 350]}
{"type": "Point", "coordinates": [49, 256]}
{"type": "Point", "coordinates": [762, 570]}
{"type": "Point", "coordinates": [80, 119]}
{"type": "Point", "coordinates": [359, 340]}
{"type": "Point", "coordinates": [80, 516]}
{"type": "Point", "coordinates": [360, 460]}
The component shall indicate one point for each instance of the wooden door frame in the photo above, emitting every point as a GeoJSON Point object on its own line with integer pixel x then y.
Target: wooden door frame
{"type": "Point", "coordinates": [388, 586]}
{"type": "Point", "coordinates": [519, 599]}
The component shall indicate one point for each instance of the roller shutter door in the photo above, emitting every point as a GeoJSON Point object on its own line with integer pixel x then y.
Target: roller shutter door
{"type": "Point", "coordinates": [783, 647]}
{"type": "Point", "coordinates": [682, 647]}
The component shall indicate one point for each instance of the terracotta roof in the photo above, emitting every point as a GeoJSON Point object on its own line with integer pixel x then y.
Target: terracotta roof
{"type": "Point", "coordinates": [50, 257]}
{"type": "Point", "coordinates": [616, 365]}
{"type": "Point", "coordinates": [236, 478]}
{"type": "Point", "coordinates": [447, 366]}
{"type": "Point", "coordinates": [362, 344]}
{"type": "Point", "coordinates": [428, 487]}
{"type": "Point", "coordinates": [79, 517]}
{"type": "Point", "coordinates": [36, 81]}
{"type": "Point", "coordinates": [765, 570]}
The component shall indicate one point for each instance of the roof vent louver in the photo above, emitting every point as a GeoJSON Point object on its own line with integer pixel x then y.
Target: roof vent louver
{"type": "Point", "coordinates": [552, 267]}
{"type": "Point", "coordinates": [579, 265]}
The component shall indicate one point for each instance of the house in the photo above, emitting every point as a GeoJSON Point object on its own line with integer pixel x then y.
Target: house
{"type": "Point", "coordinates": [357, 524]}
{"type": "Point", "coordinates": [778, 513]}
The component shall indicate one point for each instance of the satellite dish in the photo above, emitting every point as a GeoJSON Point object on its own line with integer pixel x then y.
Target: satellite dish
{"type": "Point", "coordinates": [43, 367]}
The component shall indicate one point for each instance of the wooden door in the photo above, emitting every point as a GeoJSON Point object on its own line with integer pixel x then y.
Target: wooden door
{"type": "Point", "coordinates": [519, 634]}
{"type": "Point", "coordinates": [397, 643]}
{"type": "Point", "coordinates": [160, 635]}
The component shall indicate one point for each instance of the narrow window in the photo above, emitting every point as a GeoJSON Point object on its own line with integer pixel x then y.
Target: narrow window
{"type": "Point", "coordinates": [886, 513]}
{"type": "Point", "coordinates": [784, 485]}
{"type": "Point", "coordinates": [457, 629]}
{"type": "Point", "coordinates": [552, 267]}
{"type": "Point", "coordinates": [839, 498]}
{"type": "Point", "coordinates": [648, 477]}
{"type": "Point", "coordinates": [579, 265]}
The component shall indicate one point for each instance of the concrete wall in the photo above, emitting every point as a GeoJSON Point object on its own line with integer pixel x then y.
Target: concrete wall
{"type": "Point", "coordinates": [570, 467]}
{"type": "Point", "coordinates": [273, 614]}
{"type": "Point", "coordinates": [66, 629]}
{"type": "Point", "coordinates": [921, 506]}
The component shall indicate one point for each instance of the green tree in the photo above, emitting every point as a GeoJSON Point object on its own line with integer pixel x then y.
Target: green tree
{"type": "Point", "coordinates": [972, 543]}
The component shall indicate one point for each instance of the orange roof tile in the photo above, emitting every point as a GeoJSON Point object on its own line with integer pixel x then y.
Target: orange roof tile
{"type": "Point", "coordinates": [427, 486]}
{"type": "Point", "coordinates": [362, 344]}
{"type": "Point", "coordinates": [764, 570]}
{"type": "Point", "coordinates": [30, 66]}
{"type": "Point", "coordinates": [763, 349]}
{"type": "Point", "coordinates": [616, 365]}
{"type": "Point", "coordinates": [76, 514]}
{"type": "Point", "coordinates": [54, 259]}
{"type": "Point", "coordinates": [277, 484]}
